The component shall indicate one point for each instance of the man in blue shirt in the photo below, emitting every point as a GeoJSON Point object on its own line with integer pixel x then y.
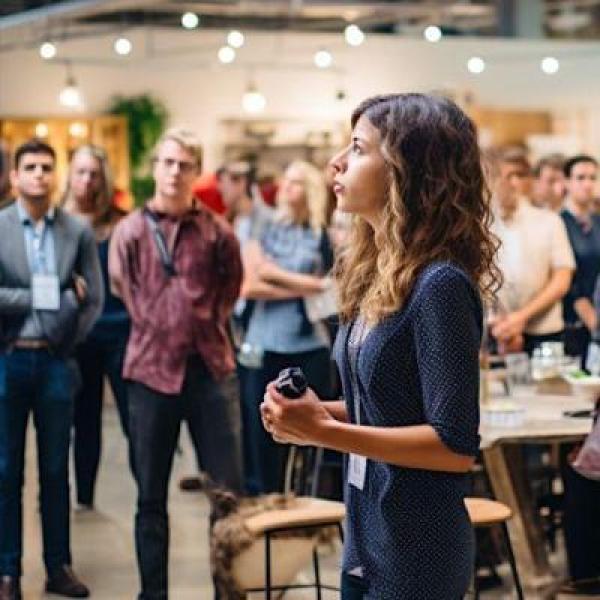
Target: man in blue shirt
{"type": "Point", "coordinates": [50, 296]}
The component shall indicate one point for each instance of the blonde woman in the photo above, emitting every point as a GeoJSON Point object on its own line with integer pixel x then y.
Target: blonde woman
{"type": "Point", "coordinates": [290, 262]}
{"type": "Point", "coordinates": [89, 194]}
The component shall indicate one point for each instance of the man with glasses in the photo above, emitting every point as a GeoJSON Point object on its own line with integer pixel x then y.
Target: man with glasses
{"type": "Point", "coordinates": [50, 296]}
{"type": "Point", "coordinates": [178, 269]}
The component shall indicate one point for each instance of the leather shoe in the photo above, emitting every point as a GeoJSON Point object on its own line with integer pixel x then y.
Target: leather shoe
{"type": "Point", "coordinates": [64, 582]}
{"type": "Point", "coordinates": [10, 588]}
{"type": "Point", "coordinates": [191, 484]}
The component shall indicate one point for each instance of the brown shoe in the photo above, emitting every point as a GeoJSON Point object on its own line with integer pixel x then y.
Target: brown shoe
{"type": "Point", "coordinates": [191, 484]}
{"type": "Point", "coordinates": [10, 588]}
{"type": "Point", "coordinates": [64, 582]}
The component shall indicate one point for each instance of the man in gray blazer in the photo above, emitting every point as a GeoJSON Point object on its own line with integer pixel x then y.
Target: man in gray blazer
{"type": "Point", "coordinates": [50, 295]}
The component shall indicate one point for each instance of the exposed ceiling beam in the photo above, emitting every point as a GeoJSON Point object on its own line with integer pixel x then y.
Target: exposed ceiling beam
{"type": "Point", "coordinates": [70, 10]}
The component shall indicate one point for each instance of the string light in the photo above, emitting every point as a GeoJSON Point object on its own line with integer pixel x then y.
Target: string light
{"type": "Point", "coordinates": [433, 33]}
{"type": "Point", "coordinates": [47, 50]}
{"type": "Point", "coordinates": [323, 59]}
{"type": "Point", "coordinates": [123, 46]}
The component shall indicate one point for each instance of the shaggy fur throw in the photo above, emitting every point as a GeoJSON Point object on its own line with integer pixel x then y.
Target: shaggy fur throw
{"type": "Point", "coordinates": [230, 537]}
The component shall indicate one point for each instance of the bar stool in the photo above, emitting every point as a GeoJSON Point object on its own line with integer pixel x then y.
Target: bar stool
{"type": "Point", "coordinates": [484, 512]}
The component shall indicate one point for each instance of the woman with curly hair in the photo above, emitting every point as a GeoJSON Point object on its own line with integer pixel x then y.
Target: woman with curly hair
{"type": "Point", "coordinates": [418, 260]}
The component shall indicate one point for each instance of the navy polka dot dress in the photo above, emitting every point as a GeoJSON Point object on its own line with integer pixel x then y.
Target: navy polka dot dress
{"type": "Point", "coordinates": [408, 533]}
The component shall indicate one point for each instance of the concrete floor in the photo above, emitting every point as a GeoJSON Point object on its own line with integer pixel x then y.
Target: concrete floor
{"type": "Point", "coordinates": [102, 540]}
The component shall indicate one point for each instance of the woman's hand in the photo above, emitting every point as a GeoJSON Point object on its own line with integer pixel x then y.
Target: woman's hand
{"type": "Point", "coordinates": [299, 421]}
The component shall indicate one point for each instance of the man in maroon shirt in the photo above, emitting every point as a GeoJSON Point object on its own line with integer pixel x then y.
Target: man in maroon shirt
{"type": "Point", "coordinates": [177, 268]}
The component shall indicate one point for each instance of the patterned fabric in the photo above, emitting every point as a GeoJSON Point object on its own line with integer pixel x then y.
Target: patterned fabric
{"type": "Point", "coordinates": [175, 317]}
{"type": "Point", "coordinates": [408, 528]}
{"type": "Point", "coordinates": [282, 326]}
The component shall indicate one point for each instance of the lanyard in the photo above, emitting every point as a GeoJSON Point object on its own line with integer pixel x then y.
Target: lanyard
{"type": "Point", "coordinates": [161, 243]}
{"type": "Point", "coordinates": [357, 337]}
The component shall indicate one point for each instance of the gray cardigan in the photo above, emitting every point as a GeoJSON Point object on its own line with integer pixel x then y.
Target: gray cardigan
{"type": "Point", "coordinates": [75, 250]}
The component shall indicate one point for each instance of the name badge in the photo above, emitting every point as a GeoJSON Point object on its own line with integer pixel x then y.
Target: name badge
{"type": "Point", "coordinates": [45, 291]}
{"type": "Point", "coordinates": [357, 471]}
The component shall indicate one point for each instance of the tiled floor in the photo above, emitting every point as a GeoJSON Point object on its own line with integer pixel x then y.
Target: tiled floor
{"type": "Point", "coordinates": [103, 551]}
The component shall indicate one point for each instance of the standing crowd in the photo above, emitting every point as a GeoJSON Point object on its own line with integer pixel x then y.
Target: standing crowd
{"type": "Point", "coordinates": [190, 315]}
{"type": "Point", "coordinates": [155, 303]}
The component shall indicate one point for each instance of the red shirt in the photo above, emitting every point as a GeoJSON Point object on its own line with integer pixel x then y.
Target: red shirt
{"type": "Point", "coordinates": [188, 313]}
{"type": "Point", "coordinates": [207, 191]}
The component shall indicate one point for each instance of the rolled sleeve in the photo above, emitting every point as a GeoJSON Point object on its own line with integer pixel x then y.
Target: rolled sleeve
{"type": "Point", "coordinates": [447, 338]}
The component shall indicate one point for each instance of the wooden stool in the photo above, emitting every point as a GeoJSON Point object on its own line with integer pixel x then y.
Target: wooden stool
{"type": "Point", "coordinates": [490, 513]}
{"type": "Point", "coordinates": [306, 512]}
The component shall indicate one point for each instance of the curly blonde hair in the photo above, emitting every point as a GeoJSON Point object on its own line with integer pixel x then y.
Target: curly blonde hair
{"type": "Point", "coordinates": [437, 207]}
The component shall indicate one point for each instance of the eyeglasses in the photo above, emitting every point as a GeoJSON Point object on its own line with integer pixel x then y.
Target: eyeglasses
{"type": "Point", "coordinates": [183, 165]}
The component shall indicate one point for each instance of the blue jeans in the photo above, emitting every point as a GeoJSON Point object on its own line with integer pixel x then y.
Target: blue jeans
{"type": "Point", "coordinates": [35, 382]}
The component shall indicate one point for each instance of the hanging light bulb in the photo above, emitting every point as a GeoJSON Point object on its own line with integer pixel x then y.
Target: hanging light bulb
{"type": "Point", "coordinates": [323, 59]}
{"type": "Point", "coordinates": [47, 50]}
{"type": "Point", "coordinates": [550, 65]}
{"type": "Point", "coordinates": [190, 20]}
{"type": "Point", "coordinates": [432, 33]}
{"type": "Point", "coordinates": [476, 65]}
{"type": "Point", "coordinates": [253, 101]}
{"type": "Point", "coordinates": [70, 96]}
{"type": "Point", "coordinates": [354, 35]}
{"type": "Point", "coordinates": [235, 38]}
{"type": "Point", "coordinates": [226, 55]}
{"type": "Point", "coordinates": [123, 46]}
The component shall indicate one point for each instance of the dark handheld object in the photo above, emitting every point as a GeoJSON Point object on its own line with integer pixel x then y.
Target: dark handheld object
{"type": "Point", "coordinates": [291, 383]}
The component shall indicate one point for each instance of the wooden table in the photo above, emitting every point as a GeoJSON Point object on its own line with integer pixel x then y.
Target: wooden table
{"type": "Point", "coordinates": [544, 423]}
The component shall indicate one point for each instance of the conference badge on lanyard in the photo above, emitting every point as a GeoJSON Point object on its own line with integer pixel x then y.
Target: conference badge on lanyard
{"type": "Point", "coordinates": [45, 292]}
{"type": "Point", "coordinates": [357, 471]}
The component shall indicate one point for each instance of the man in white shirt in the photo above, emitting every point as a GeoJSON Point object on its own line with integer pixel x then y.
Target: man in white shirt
{"type": "Point", "coordinates": [536, 260]}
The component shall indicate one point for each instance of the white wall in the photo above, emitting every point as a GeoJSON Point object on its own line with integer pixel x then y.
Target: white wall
{"type": "Point", "coordinates": [181, 68]}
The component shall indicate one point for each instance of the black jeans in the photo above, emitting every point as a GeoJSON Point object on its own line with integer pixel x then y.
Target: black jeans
{"type": "Point", "coordinates": [96, 358]}
{"type": "Point", "coordinates": [33, 381]}
{"type": "Point", "coordinates": [155, 420]}
{"type": "Point", "coordinates": [264, 459]}
{"type": "Point", "coordinates": [577, 341]}
{"type": "Point", "coordinates": [353, 587]}
{"type": "Point", "coordinates": [531, 342]}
